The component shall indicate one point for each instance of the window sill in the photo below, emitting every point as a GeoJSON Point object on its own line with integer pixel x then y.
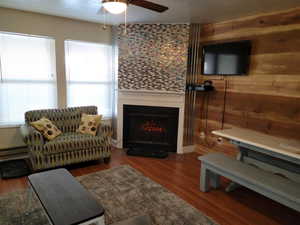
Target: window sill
{"type": "Point", "coordinates": [13, 125]}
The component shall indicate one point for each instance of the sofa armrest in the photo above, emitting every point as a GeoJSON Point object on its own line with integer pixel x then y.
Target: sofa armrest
{"type": "Point", "coordinates": [105, 129]}
{"type": "Point", "coordinates": [31, 136]}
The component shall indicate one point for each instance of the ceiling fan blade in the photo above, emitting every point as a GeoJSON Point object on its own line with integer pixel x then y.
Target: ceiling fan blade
{"type": "Point", "coordinates": [149, 5]}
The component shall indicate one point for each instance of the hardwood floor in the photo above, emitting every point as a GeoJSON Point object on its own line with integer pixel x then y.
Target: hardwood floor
{"type": "Point", "coordinates": [180, 174]}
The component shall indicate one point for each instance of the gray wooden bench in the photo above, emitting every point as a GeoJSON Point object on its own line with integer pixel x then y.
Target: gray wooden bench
{"type": "Point", "coordinates": [280, 189]}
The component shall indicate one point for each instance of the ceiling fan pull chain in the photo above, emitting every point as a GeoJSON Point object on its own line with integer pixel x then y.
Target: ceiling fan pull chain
{"type": "Point", "coordinates": [125, 28]}
{"type": "Point", "coordinates": [105, 19]}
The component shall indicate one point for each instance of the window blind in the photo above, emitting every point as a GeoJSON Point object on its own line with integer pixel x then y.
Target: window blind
{"type": "Point", "coordinates": [28, 76]}
{"type": "Point", "coordinates": [89, 75]}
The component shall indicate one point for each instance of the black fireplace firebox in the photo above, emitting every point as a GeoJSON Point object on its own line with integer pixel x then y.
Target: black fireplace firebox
{"type": "Point", "coordinates": [150, 128]}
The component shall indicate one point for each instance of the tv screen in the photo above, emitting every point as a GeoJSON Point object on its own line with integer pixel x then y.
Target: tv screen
{"type": "Point", "coordinates": [226, 58]}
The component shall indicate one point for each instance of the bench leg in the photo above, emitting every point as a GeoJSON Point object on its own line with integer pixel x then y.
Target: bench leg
{"type": "Point", "coordinates": [100, 221]}
{"type": "Point", "coordinates": [214, 180]}
{"type": "Point", "coordinates": [232, 186]}
{"type": "Point", "coordinates": [204, 179]}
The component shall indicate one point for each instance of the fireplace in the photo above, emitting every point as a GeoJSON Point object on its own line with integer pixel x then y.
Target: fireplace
{"type": "Point", "coordinates": [150, 127]}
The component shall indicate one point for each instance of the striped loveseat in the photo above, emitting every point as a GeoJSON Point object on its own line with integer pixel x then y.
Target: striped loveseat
{"type": "Point", "coordinates": [69, 147]}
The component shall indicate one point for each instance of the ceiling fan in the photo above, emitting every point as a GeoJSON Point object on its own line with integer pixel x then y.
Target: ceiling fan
{"type": "Point", "coordinates": [119, 6]}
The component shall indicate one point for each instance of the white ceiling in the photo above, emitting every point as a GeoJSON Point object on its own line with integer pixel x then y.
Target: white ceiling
{"type": "Point", "coordinates": [180, 11]}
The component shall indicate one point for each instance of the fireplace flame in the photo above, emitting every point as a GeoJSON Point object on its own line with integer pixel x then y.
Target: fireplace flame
{"type": "Point", "coordinates": [151, 126]}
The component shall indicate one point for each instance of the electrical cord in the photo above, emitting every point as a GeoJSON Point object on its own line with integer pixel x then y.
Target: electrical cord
{"type": "Point", "coordinates": [224, 104]}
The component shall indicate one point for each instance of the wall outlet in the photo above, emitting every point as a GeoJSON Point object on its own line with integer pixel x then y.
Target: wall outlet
{"type": "Point", "coordinates": [202, 135]}
{"type": "Point", "coordinates": [220, 140]}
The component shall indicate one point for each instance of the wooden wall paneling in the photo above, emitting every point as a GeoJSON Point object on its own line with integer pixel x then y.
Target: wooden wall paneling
{"type": "Point", "coordinates": [252, 26]}
{"type": "Point", "coordinates": [268, 98]}
{"type": "Point", "coordinates": [280, 63]}
{"type": "Point", "coordinates": [272, 86]}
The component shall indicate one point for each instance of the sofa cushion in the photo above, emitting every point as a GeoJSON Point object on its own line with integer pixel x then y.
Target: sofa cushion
{"type": "Point", "coordinates": [89, 124]}
{"type": "Point", "coordinates": [73, 141]}
{"type": "Point", "coordinates": [47, 128]}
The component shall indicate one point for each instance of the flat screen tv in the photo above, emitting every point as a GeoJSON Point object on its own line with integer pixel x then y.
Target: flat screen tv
{"type": "Point", "coordinates": [230, 58]}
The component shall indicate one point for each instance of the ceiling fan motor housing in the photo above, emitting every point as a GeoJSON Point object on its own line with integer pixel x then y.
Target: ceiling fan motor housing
{"type": "Point", "coordinates": [141, 3]}
{"type": "Point", "coordinates": [123, 1]}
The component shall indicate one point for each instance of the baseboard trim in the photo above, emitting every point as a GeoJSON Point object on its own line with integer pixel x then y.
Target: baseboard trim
{"type": "Point", "coordinates": [114, 143]}
{"type": "Point", "coordinates": [188, 149]}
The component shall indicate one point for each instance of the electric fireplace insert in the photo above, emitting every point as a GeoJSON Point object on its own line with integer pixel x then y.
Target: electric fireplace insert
{"type": "Point", "coordinates": [150, 128]}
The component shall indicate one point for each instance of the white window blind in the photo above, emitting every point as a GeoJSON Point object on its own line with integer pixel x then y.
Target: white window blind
{"type": "Point", "coordinates": [27, 72]}
{"type": "Point", "coordinates": [89, 75]}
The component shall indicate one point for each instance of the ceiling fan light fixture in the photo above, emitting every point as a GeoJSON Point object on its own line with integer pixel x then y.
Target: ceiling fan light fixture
{"type": "Point", "coordinates": [115, 6]}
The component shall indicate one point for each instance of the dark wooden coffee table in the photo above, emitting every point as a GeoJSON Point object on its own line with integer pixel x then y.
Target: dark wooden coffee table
{"type": "Point", "coordinates": [65, 200]}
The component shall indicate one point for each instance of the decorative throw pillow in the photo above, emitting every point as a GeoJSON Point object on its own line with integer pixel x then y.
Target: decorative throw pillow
{"type": "Point", "coordinates": [89, 124]}
{"type": "Point", "coordinates": [46, 127]}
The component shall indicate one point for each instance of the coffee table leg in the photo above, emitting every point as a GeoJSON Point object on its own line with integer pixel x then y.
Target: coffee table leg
{"type": "Point", "coordinates": [100, 221]}
{"type": "Point", "coordinates": [96, 221]}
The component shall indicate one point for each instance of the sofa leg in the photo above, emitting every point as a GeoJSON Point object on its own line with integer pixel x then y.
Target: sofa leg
{"type": "Point", "coordinates": [106, 160]}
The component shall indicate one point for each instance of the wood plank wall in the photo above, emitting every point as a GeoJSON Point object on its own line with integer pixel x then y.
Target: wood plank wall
{"type": "Point", "coordinates": [268, 99]}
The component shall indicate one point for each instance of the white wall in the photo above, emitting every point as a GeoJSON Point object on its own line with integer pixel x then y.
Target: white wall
{"type": "Point", "coordinates": [60, 29]}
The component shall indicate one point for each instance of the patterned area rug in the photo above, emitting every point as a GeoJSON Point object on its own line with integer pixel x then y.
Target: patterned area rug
{"type": "Point", "coordinates": [123, 191]}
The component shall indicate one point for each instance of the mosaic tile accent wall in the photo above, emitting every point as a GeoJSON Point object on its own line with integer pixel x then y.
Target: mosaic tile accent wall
{"type": "Point", "coordinates": [153, 57]}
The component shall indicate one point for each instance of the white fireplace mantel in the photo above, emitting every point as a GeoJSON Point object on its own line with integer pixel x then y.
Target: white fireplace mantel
{"type": "Point", "coordinates": [151, 98]}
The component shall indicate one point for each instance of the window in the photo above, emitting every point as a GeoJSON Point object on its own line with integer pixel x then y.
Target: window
{"type": "Point", "coordinates": [27, 73]}
{"type": "Point", "coordinates": [89, 75]}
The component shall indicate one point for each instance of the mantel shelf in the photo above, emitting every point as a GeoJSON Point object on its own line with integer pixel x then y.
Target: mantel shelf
{"type": "Point", "coordinates": [151, 92]}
